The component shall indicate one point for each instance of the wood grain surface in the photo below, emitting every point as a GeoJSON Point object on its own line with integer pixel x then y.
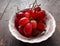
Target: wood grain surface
{"type": "Point", "coordinates": [8, 7]}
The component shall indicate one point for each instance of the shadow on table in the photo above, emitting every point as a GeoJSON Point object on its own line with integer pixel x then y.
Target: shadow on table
{"type": "Point", "coordinates": [52, 41]}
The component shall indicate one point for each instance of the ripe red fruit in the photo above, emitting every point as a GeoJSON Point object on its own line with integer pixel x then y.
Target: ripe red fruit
{"type": "Point", "coordinates": [16, 20]}
{"type": "Point", "coordinates": [35, 32]}
{"type": "Point", "coordinates": [19, 15]}
{"type": "Point", "coordinates": [38, 8]}
{"type": "Point", "coordinates": [27, 14]}
{"type": "Point", "coordinates": [41, 20]}
{"type": "Point", "coordinates": [21, 30]}
{"type": "Point", "coordinates": [23, 21]}
{"type": "Point", "coordinates": [29, 10]}
{"type": "Point", "coordinates": [35, 15]}
{"type": "Point", "coordinates": [41, 14]}
{"type": "Point", "coordinates": [41, 26]}
{"type": "Point", "coordinates": [28, 30]}
{"type": "Point", "coordinates": [33, 23]}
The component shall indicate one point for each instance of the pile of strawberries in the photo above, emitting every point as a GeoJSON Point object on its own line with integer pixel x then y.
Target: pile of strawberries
{"type": "Point", "coordinates": [30, 22]}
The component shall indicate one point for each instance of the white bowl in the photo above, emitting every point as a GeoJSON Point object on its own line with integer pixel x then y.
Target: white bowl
{"type": "Point", "coordinates": [50, 29]}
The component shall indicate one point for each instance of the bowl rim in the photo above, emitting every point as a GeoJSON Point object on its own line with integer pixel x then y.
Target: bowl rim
{"type": "Point", "coordinates": [38, 40]}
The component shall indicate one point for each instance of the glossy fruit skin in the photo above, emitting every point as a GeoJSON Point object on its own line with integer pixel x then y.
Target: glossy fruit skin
{"type": "Point", "coordinates": [21, 30]}
{"type": "Point", "coordinates": [43, 21]}
{"type": "Point", "coordinates": [23, 21]}
{"type": "Point", "coordinates": [30, 22]}
{"type": "Point", "coordinates": [35, 15]}
{"type": "Point", "coordinates": [16, 20]}
{"type": "Point", "coordinates": [41, 26]}
{"type": "Point", "coordinates": [38, 8]}
{"type": "Point", "coordinates": [27, 30]}
{"type": "Point", "coordinates": [29, 11]}
{"type": "Point", "coordinates": [19, 15]}
{"type": "Point", "coordinates": [27, 14]}
{"type": "Point", "coordinates": [35, 32]}
{"type": "Point", "coordinates": [33, 23]}
{"type": "Point", "coordinates": [42, 14]}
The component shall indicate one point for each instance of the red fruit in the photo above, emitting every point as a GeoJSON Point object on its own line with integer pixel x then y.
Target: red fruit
{"type": "Point", "coordinates": [35, 32]}
{"type": "Point", "coordinates": [27, 14]}
{"type": "Point", "coordinates": [23, 21]}
{"type": "Point", "coordinates": [29, 10]}
{"type": "Point", "coordinates": [16, 20]}
{"type": "Point", "coordinates": [41, 26]}
{"type": "Point", "coordinates": [21, 30]}
{"type": "Point", "coordinates": [38, 8]}
{"type": "Point", "coordinates": [19, 15]}
{"type": "Point", "coordinates": [41, 20]}
{"type": "Point", "coordinates": [33, 23]}
{"type": "Point", "coordinates": [35, 15]}
{"type": "Point", "coordinates": [42, 14]}
{"type": "Point", "coordinates": [28, 30]}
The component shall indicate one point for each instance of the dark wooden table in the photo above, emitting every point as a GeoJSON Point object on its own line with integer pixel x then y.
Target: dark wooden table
{"type": "Point", "coordinates": [7, 8]}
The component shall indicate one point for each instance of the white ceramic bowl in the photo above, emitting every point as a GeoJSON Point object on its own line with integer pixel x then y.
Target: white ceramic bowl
{"type": "Point", "coordinates": [50, 29]}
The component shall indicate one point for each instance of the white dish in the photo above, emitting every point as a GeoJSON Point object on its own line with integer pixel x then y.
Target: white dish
{"type": "Point", "coordinates": [50, 29]}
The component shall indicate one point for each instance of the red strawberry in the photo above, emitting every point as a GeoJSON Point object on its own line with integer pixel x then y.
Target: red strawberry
{"type": "Point", "coordinates": [23, 21]}
{"type": "Point", "coordinates": [33, 23]}
{"type": "Point", "coordinates": [41, 26]}
{"type": "Point", "coordinates": [28, 30]}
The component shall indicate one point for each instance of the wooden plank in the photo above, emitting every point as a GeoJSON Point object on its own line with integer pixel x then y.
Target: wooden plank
{"type": "Point", "coordinates": [0, 15]}
{"type": "Point", "coordinates": [12, 7]}
{"type": "Point", "coordinates": [6, 39]}
{"type": "Point", "coordinates": [53, 8]}
{"type": "Point", "coordinates": [3, 6]}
